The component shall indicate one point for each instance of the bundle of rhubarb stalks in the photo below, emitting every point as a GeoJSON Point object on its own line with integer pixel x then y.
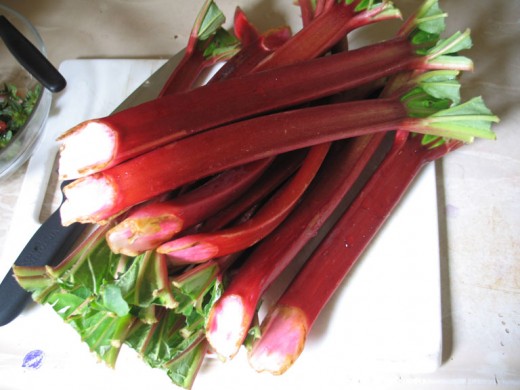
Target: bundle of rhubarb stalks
{"type": "Point", "coordinates": [202, 197]}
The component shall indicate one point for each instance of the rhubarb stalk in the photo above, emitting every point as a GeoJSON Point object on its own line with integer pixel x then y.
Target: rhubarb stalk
{"type": "Point", "coordinates": [321, 33]}
{"type": "Point", "coordinates": [202, 247]}
{"type": "Point", "coordinates": [120, 136]}
{"type": "Point", "coordinates": [227, 327]}
{"type": "Point", "coordinates": [295, 312]}
{"type": "Point", "coordinates": [101, 196]}
{"type": "Point", "coordinates": [207, 44]}
{"type": "Point", "coordinates": [150, 225]}
{"type": "Point", "coordinates": [280, 170]}
{"type": "Point", "coordinates": [255, 47]}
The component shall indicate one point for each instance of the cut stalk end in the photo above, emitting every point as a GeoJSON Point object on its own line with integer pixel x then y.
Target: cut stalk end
{"type": "Point", "coordinates": [135, 235]}
{"type": "Point", "coordinates": [227, 326]}
{"type": "Point", "coordinates": [89, 147]}
{"type": "Point", "coordinates": [87, 198]}
{"type": "Point", "coordinates": [284, 332]}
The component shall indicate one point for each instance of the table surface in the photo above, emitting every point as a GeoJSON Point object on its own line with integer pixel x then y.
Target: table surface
{"type": "Point", "coordinates": [478, 186]}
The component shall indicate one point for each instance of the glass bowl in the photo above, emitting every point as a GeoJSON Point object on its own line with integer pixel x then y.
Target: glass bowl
{"type": "Point", "coordinates": [24, 141]}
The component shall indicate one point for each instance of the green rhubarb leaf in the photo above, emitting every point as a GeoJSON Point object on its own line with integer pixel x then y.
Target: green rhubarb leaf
{"type": "Point", "coordinates": [191, 287]}
{"type": "Point", "coordinates": [420, 104]}
{"type": "Point", "coordinates": [66, 303]}
{"type": "Point", "coordinates": [164, 345]}
{"type": "Point", "coordinates": [209, 20]}
{"type": "Point", "coordinates": [386, 8]}
{"type": "Point", "coordinates": [435, 99]}
{"type": "Point", "coordinates": [91, 266]}
{"type": "Point", "coordinates": [434, 91]}
{"type": "Point", "coordinates": [441, 84]}
{"type": "Point", "coordinates": [455, 43]}
{"type": "Point", "coordinates": [113, 300]}
{"type": "Point", "coordinates": [432, 141]}
{"type": "Point", "coordinates": [183, 369]}
{"type": "Point", "coordinates": [462, 122]}
{"type": "Point", "coordinates": [223, 45]}
{"type": "Point", "coordinates": [363, 4]}
{"type": "Point", "coordinates": [156, 343]}
{"type": "Point", "coordinates": [430, 18]}
{"type": "Point", "coordinates": [424, 27]}
{"type": "Point", "coordinates": [102, 331]}
{"type": "Point", "coordinates": [146, 281]}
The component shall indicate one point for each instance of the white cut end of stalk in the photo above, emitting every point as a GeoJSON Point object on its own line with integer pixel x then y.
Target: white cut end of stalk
{"type": "Point", "coordinates": [119, 239]}
{"type": "Point", "coordinates": [86, 199]}
{"type": "Point", "coordinates": [226, 330]}
{"type": "Point", "coordinates": [86, 149]}
{"type": "Point", "coordinates": [283, 335]}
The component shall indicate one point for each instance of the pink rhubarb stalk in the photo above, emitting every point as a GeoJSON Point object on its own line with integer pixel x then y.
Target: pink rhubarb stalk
{"type": "Point", "coordinates": [202, 247]}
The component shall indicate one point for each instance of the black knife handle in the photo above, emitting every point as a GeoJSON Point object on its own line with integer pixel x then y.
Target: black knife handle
{"type": "Point", "coordinates": [30, 57]}
{"type": "Point", "coordinates": [48, 246]}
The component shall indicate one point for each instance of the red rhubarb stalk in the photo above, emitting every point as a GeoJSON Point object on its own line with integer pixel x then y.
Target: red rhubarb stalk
{"type": "Point", "coordinates": [227, 328]}
{"type": "Point", "coordinates": [307, 11]}
{"type": "Point", "coordinates": [332, 23]}
{"type": "Point", "coordinates": [297, 309]}
{"type": "Point", "coordinates": [137, 130]}
{"type": "Point", "coordinates": [202, 247]}
{"type": "Point", "coordinates": [293, 315]}
{"type": "Point", "coordinates": [152, 224]}
{"type": "Point", "coordinates": [130, 183]}
{"type": "Point", "coordinates": [207, 44]}
{"type": "Point", "coordinates": [244, 30]}
{"type": "Point", "coordinates": [101, 196]}
{"type": "Point", "coordinates": [252, 53]}
{"type": "Point", "coordinates": [282, 168]}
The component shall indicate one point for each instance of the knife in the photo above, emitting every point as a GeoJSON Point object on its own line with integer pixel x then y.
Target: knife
{"type": "Point", "coordinates": [52, 241]}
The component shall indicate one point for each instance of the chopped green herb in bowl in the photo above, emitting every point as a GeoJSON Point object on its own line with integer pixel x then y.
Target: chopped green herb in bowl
{"type": "Point", "coordinates": [24, 102]}
{"type": "Point", "coordinates": [15, 110]}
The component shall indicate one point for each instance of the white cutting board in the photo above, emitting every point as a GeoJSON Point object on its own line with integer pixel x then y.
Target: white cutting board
{"type": "Point", "coordinates": [385, 320]}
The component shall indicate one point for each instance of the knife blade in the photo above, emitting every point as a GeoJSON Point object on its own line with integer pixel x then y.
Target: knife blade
{"type": "Point", "coordinates": [53, 241]}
